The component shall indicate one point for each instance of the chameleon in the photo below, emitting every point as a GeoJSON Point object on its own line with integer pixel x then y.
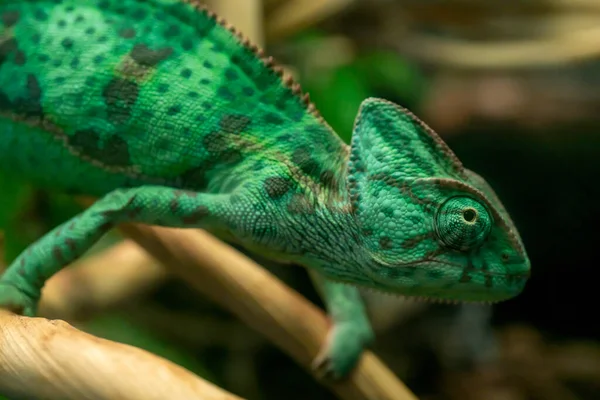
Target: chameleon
{"type": "Point", "coordinates": [168, 116]}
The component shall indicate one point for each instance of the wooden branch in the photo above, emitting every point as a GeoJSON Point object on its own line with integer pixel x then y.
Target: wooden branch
{"type": "Point", "coordinates": [246, 16]}
{"type": "Point", "coordinates": [48, 359]}
{"type": "Point", "coordinates": [294, 15]}
{"type": "Point", "coordinates": [264, 303]}
{"type": "Point", "coordinates": [569, 48]}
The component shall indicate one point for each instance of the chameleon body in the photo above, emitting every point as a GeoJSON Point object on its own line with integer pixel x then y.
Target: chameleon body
{"type": "Point", "coordinates": [171, 118]}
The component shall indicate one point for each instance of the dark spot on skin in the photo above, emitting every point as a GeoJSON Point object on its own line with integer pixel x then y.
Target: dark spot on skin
{"type": "Point", "coordinates": [367, 232]}
{"type": "Point", "coordinates": [138, 14]}
{"type": "Point", "coordinates": [172, 30]}
{"type": "Point", "coordinates": [277, 186]}
{"type": "Point", "coordinates": [62, 23]}
{"type": "Point", "coordinates": [173, 110]}
{"type": "Point", "coordinates": [206, 105]}
{"type": "Point", "coordinates": [286, 137]}
{"type": "Point", "coordinates": [90, 31]}
{"type": "Point", "coordinates": [103, 39]}
{"type": "Point", "coordinates": [215, 142]}
{"type": "Point", "coordinates": [505, 257]}
{"type": "Point", "coordinates": [69, 9]}
{"type": "Point", "coordinates": [207, 64]}
{"type": "Point", "coordinates": [230, 74]}
{"type": "Point", "coordinates": [40, 15]}
{"type": "Point", "coordinates": [145, 56]}
{"type": "Point", "coordinates": [35, 38]}
{"type": "Point", "coordinates": [67, 43]}
{"type": "Point", "coordinates": [20, 58]}
{"type": "Point", "coordinates": [385, 243]}
{"type": "Point", "coordinates": [193, 95]}
{"type": "Point", "coordinates": [98, 59]}
{"type": "Point", "coordinates": [196, 216]}
{"type": "Point", "coordinates": [327, 178]}
{"type": "Point", "coordinates": [411, 243]}
{"type": "Point", "coordinates": [120, 95]}
{"type": "Point", "coordinates": [162, 88]}
{"type": "Point", "coordinates": [234, 123]}
{"type": "Point", "coordinates": [187, 44]}
{"type": "Point", "coordinates": [225, 93]}
{"type": "Point", "coordinates": [300, 204]}
{"type": "Point", "coordinates": [9, 18]}
{"type": "Point", "coordinates": [186, 73]}
{"type": "Point", "coordinates": [272, 118]}
{"type": "Point", "coordinates": [104, 4]}
{"type": "Point", "coordinates": [248, 91]}
{"type": "Point", "coordinates": [302, 158]}
{"type": "Point", "coordinates": [7, 47]}
{"type": "Point", "coordinates": [204, 81]}
{"type": "Point", "coordinates": [57, 63]}
{"type": "Point", "coordinates": [466, 277]}
{"type": "Point", "coordinates": [90, 81]}
{"type": "Point", "coordinates": [57, 254]}
{"type": "Point", "coordinates": [113, 152]}
{"type": "Point", "coordinates": [60, 80]}
{"type": "Point", "coordinates": [71, 244]}
{"type": "Point", "coordinates": [32, 106]}
{"type": "Point", "coordinates": [127, 33]}
{"type": "Point", "coordinates": [79, 19]}
{"type": "Point", "coordinates": [488, 282]}
{"type": "Point", "coordinates": [75, 63]}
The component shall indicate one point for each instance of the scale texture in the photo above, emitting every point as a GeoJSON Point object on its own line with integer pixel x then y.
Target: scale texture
{"type": "Point", "coordinates": [171, 118]}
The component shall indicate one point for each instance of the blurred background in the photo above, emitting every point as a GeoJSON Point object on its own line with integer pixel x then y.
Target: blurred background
{"type": "Point", "coordinates": [514, 89]}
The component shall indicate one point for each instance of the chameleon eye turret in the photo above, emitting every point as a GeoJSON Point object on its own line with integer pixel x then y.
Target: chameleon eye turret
{"type": "Point", "coordinates": [463, 223]}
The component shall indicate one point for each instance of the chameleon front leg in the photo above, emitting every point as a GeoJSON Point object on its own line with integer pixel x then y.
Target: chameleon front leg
{"type": "Point", "coordinates": [350, 333]}
{"type": "Point", "coordinates": [21, 284]}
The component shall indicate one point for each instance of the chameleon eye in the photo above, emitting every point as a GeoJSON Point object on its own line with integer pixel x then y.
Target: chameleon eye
{"type": "Point", "coordinates": [462, 223]}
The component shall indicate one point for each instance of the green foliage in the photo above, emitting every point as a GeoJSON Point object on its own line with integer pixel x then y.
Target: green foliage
{"type": "Point", "coordinates": [118, 327]}
{"type": "Point", "coordinates": [337, 92]}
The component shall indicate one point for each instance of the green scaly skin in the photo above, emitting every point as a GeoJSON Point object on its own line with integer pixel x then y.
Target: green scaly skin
{"type": "Point", "coordinates": [171, 118]}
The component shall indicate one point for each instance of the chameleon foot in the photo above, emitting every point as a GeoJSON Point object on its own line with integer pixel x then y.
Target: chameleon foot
{"type": "Point", "coordinates": [342, 349]}
{"type": "Point", "coordinates": [14, 299]}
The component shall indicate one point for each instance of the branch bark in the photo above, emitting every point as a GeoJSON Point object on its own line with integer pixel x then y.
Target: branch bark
{"type": "Point", "coordinates": [49, 359]}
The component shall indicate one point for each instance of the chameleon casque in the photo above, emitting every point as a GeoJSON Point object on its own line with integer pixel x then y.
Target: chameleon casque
{"type": "Point", "coordinates": [170, 117]}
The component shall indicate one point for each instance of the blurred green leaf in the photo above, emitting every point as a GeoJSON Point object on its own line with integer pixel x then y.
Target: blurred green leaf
{"type": "Point", "coordinates": [119, 328]}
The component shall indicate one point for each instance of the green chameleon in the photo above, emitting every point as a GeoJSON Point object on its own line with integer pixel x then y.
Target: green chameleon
{"type": "Point", "coordinates": [171, 118]}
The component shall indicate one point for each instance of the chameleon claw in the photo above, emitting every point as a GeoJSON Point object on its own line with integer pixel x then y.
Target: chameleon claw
{"type": "Point", "coordinates": [341, 351]}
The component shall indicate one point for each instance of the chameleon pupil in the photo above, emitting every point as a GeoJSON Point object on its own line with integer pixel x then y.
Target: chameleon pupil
{"type": "Point", "coordinates": [469, 215]}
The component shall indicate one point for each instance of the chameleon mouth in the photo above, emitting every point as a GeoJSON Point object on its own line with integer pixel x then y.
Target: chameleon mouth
{"type": "Point", "coordinates": [507, 287]}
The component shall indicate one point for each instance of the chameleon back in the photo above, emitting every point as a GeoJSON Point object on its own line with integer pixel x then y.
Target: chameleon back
{"type": "Point", "coordinates": [122, 93]}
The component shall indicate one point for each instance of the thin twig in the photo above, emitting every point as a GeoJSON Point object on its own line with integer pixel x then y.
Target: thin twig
{"type": "Point", "coordinates": [49, 359]}
{"type": "Point", "coordinates": [263, 302]}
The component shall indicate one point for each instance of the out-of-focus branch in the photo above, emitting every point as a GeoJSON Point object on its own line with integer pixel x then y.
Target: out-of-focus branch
{"type": "Point", "coordinates": [101, 281]}
{"type": "Point", "coordinates": [246, 16]}
{"type": "Point", "coordinates": [263, 302]}
{"type": "Point", "coordinates": [294, 15]}
{"type": "Point", "coordinates": [568, 48]}
{"type": "Point", "coordinates": [49, 359]}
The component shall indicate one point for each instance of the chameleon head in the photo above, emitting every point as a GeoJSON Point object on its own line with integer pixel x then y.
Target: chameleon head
{"type": "Point", "coordinates": [428, 227]}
